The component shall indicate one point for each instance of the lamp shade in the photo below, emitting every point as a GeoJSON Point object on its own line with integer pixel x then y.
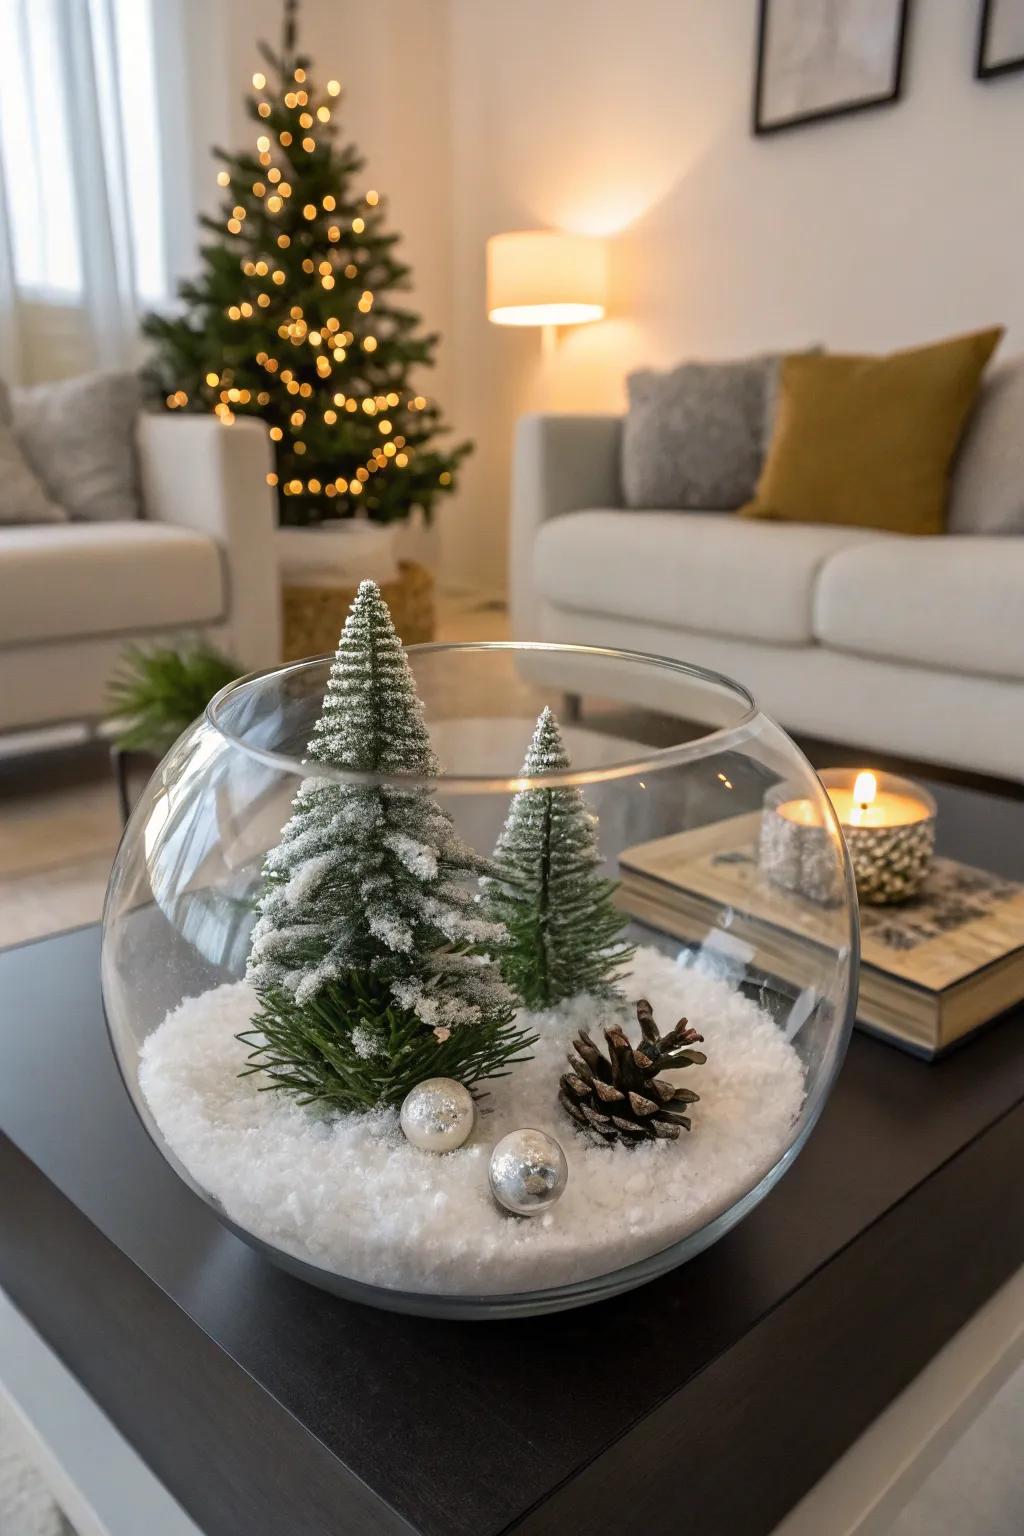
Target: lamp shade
{"type": "Point", "coordinates": [544, 277]}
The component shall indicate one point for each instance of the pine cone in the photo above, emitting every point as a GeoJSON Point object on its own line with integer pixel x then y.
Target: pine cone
{"type": "Point", "coordinates": [621, 1098]}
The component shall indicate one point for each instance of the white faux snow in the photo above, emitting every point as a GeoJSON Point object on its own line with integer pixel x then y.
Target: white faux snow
{"type": "Point", "coordinates": [348, 1193]}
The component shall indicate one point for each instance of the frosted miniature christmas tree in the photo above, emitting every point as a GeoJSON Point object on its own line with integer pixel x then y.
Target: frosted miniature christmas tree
{"type": "Point", "coordinates": [564, 931]}
{"type": "Point", "coordinates": [368, 956]}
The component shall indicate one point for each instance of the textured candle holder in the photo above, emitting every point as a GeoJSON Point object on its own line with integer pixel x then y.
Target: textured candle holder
{"type": "Point", "coordinates": [889, 862]}
{"type": "Point", "coordinates": [798, 856]}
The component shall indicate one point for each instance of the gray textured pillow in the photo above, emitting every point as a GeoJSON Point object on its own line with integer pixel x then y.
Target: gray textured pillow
{"type": "Point", "coordinates": [79, 437]}
{"type": "Point", "coordinates": [694, 439]}
{"type": "Point", "coordinates": [987, 490]}
{"type": "Point", "coordinates": [22, 498]}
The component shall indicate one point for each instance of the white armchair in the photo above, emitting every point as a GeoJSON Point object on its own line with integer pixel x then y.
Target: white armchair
{"type": "Point", "coordinates": [201, 559]}
{"type": "Point", "coordinates": [200, 475]}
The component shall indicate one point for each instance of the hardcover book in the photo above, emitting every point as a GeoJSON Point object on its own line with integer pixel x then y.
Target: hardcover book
{"type": "Point", "coordinates": [933, 969]}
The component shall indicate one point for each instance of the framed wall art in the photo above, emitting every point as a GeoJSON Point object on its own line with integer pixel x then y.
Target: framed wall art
{"type": "Point", "coordinates": [1000, 38]}
{"type": "Point", "coordinates": [818, 59]}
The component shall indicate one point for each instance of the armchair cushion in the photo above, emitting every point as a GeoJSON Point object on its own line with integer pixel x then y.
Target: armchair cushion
{"type": "Point", "coordinates": [79, 437]}
{"type": "Point", "coordinates": [80, 579]}
{"type": "Point", "coordinates": [22, 498]}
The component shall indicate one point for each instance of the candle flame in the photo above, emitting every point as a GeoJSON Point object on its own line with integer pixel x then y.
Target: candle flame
{"type": "Point", "coordinates": [865, 789]}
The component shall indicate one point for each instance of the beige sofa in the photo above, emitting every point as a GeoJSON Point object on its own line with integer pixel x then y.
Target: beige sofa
{"type": "Point", "coordinates": [201, 558]}
{"type": "Point", "coordinates": [913, 646]}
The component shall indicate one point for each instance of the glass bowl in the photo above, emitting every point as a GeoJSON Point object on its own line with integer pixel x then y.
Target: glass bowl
{"type": "Point", "coordinates": [680, 769]}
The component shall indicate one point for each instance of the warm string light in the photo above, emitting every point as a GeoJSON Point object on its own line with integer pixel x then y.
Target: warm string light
{"type": "Point", "coordinates": [274, 192]}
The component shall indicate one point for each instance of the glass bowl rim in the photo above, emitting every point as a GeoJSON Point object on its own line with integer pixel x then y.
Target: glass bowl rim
{"type": "Point", "coordinates": [717, 738]}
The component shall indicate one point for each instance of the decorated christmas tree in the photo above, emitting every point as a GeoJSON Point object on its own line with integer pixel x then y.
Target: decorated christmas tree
{"type": "Point", "coordinates": [564, 931]}
{"type": "Point", "coordinates": [293, 317]}
{"type": "Point", "coordinates": [368, 953]}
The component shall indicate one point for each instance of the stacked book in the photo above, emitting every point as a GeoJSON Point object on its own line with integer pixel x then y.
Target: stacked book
{"type": "Point", "coordinates": [933, 969]}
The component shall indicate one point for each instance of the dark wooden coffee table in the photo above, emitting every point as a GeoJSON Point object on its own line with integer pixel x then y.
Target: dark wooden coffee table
{"type": "Point", "coordinates": [709, 1401]}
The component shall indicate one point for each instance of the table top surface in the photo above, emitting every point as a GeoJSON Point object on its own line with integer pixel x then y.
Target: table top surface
{"type": "Point", "coordinates": [467, 1427]}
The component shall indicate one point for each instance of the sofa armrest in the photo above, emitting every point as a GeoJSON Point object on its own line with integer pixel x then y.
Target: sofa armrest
{"type": "Point", "coordinates": [561, 464]}
{"type": "Point", "coordinates": [200, 474]}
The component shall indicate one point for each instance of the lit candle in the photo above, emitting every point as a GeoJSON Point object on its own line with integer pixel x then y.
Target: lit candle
{"type": "Point", "coordinates": [864, 806]}
{"type": "Point", "coordinates": [888, 824]}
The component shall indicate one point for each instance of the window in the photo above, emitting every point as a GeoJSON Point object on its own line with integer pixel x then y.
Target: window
{"type": "Point", "coordinates": [79, 142]}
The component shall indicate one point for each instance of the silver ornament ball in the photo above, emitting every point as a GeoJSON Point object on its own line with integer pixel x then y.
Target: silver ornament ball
{"type": "Point", "coordinates": [438, 1114]}
{"type": "Point", "coordinates": [528, 1172]}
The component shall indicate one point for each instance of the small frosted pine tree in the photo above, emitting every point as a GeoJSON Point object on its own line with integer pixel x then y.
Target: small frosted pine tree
{"type": "Point", "coordinates": [565, 935]}
{"type": "Point", "coordinates": [368, 953]}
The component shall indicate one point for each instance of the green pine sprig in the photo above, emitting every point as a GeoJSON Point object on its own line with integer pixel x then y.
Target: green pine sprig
{"type": "Point", "coordinates": [351, 1048]}
{"type": "Point", "coordinates": [157, 691]}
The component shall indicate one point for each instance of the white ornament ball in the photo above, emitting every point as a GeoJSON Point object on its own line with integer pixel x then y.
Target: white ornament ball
{"type": "Point", "coordinates": [528, 1172]}
{"type": "Point", "coordinates": [438, 1115]}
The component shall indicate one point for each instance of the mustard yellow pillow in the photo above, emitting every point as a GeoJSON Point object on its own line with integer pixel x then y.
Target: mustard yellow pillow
{"type": "Point", "coordinates": [868, 441]}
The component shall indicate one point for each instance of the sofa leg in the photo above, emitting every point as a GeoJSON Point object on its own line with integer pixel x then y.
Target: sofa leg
{"type": "Point", "coordinates": [572, 709]}
{"type": "Point", "coordinates": [119, 764]}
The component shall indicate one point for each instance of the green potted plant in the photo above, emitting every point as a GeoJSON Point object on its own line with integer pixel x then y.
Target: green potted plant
{"type": "Point", "coordinates": [155, 694]}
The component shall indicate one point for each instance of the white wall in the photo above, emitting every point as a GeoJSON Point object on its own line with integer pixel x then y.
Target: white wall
{"type": "Point", "coordinates": [632, 116]}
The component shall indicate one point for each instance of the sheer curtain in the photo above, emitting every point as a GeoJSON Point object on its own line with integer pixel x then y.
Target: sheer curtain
{"type": "Point", "coordinates": [93, 195]}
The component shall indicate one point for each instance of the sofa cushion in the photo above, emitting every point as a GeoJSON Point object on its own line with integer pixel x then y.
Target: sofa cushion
{"type": "Point", "coordinates": [79, 436]}
{"type": "Point", "coordinates": [707, 571]}
{"type": "Point", "coordinates": [22, 498]}
{"type": "Point", "coordinates": [694, 438]}
{"type": "Point", "coordinates": [869, 441]}
{"type": "Point", "coordinates": [987, 492]}
{"type": "Point", "coordinates": [952, 603]}
{"type": "Point", "coordinates": [63, 581]}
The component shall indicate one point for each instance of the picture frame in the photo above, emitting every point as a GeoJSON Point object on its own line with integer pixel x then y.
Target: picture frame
{"type": "Point", "coordinates": [1000, 39]}
{"type": "Point", "coordinates": [822, 59]}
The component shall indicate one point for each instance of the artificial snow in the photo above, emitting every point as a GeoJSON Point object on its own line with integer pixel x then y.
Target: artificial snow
{"type": "Point", "coordinates": [349, 1194]}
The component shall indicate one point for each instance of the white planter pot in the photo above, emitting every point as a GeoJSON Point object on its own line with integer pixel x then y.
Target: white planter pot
{"type": "Point", "coordinates": [337, 554]}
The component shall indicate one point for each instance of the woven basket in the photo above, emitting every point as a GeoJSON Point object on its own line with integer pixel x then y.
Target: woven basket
{"type": "Point", "coordinates": [314, 615]}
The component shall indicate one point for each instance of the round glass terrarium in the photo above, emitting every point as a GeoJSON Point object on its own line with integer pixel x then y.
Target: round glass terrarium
{"type": "Point", "coordinates": [678, 767]}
